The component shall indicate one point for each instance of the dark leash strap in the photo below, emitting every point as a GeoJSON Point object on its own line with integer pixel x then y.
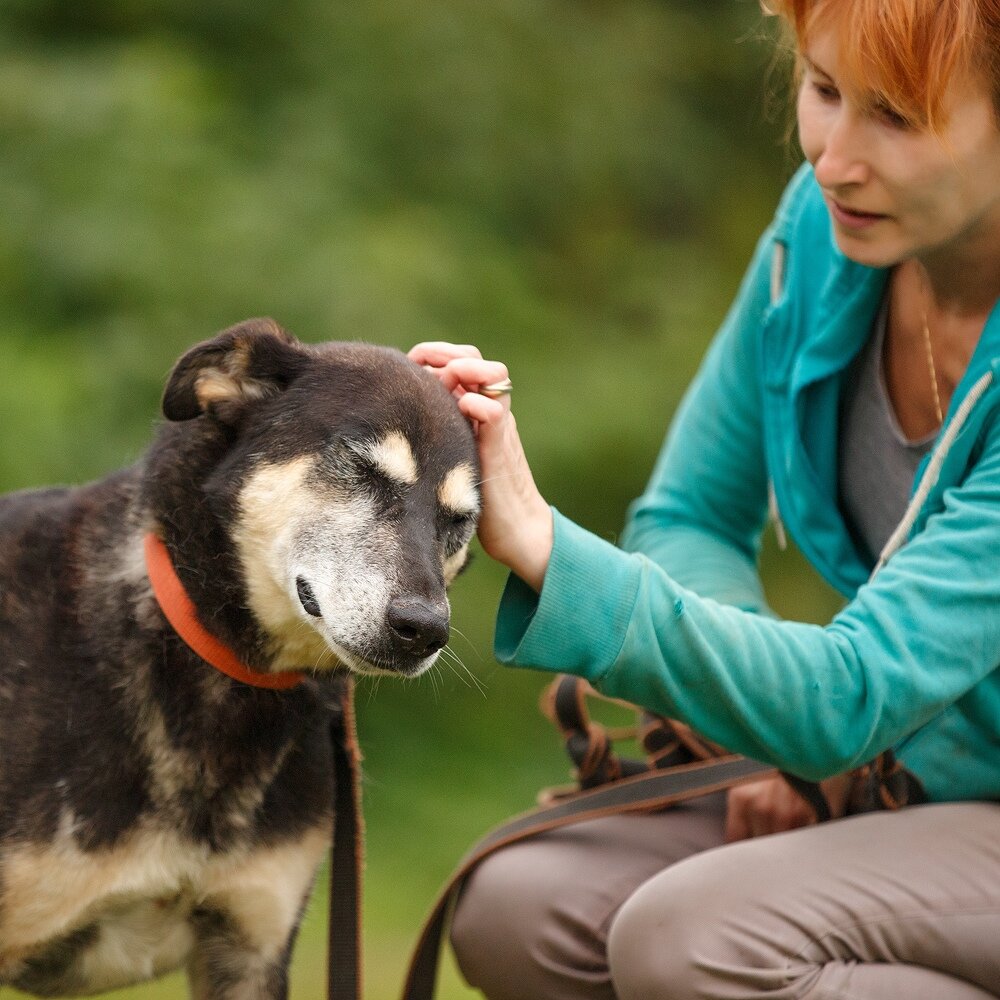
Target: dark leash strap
{"type": "Point", "coordinates": [643, 792]}
{"type": "Point", "coordinates": [639, 793]}
{"type": "Point", "coordinates": [648, 792]}
{"type": "Point", "coordinates": [346, 856]}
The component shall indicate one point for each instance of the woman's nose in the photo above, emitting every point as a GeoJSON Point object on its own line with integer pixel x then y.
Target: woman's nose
{"type": "Point", "coordinates": [843, 157]}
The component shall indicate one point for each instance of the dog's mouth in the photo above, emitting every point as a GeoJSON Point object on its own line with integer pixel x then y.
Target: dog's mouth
{"type": "Point", "coordinates": [372, 665]}
{"type": "Point", "coordinates": [375, 668]}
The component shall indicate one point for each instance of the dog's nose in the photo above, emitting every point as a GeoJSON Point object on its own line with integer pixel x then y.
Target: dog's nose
{"type": "Point", "coordinates": [418, 628]}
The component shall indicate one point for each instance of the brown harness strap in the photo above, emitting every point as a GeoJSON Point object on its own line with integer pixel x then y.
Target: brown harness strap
{"type": "Point", "coordinates": [648, 792]}
{"type": "Point", "coordinates": [667, 742]}
{"type": "Point", "coordinates": [346, 857]}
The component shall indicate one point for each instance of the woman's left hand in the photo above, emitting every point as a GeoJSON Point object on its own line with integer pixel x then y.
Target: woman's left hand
{"type": "Point", "coordinates": [515, 527]}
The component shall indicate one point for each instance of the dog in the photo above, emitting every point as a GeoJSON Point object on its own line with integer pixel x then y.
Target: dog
{"type": "Point", "coordinates": [312, 502]}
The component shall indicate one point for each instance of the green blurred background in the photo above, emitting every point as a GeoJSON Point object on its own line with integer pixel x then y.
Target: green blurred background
{"type": "Point", "coordinates": [573, 185]}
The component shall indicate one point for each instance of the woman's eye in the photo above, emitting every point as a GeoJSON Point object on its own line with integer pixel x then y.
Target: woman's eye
{"type": "Point", "coordinates": [826, 91]}
{"type": "Point", "coordinates": [891, 117]}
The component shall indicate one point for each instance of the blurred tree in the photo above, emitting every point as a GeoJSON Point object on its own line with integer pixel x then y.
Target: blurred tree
{"type": "Point", "coordinates": [574, 185]}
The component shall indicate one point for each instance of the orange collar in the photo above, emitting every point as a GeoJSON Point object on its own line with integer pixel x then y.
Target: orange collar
{"type": "Point", "coordinates": [180, 612]}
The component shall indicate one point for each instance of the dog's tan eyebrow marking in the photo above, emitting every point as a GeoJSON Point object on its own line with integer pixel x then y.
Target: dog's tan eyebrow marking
{"type": "Point", "coordinates": [454, 564]}
{"type": "Point", "coordinates": [458, 491]}
{"type": "Point", "coordinates": [392, 456]}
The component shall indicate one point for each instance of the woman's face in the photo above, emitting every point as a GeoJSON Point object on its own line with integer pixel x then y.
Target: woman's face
{"type": "Point", "coordinates": [894, 190]}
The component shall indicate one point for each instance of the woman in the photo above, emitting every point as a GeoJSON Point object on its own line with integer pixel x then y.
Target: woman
{"type": "Point", "coordinates": [860, 364]}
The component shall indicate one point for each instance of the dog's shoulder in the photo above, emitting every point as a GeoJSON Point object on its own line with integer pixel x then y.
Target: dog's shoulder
{"type": "Point", "coordinates": [59, 549]}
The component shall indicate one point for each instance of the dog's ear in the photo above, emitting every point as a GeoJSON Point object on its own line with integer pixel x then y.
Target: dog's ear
{"type": "Point", "coordinates": [250, 361]}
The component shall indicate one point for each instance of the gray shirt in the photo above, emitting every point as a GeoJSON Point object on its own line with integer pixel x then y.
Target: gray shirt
{"type": "Point", "coordinates": [876, 461]}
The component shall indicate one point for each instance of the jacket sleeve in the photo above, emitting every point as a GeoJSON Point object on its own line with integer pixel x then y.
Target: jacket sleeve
{"type": "Point", "coordinates": [701, 516]}
{"type": "Point", "coordinates": [812, 700]}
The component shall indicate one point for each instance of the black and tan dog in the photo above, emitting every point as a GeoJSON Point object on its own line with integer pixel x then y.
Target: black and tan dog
{"type": "Point", "coordinates": [313, 502]}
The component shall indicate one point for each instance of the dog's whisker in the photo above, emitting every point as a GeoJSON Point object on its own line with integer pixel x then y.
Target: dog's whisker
{"type": "Point", "coordinates": [493, 479]}
{"type": "Point", "coordinates": [454, 660]}
{"type": "Point", "coordinates": [371, 684]}
{"type": "Point", "coordinates": [473, 685]}
{"type": "Point", "coordinates": [472, 645]}
{"type": "Point", "coordinates": [433, 680]}
{"type": "Point", "coordinates": [325, 659]}
{"type": "Point", "coordinates": [476, 680]}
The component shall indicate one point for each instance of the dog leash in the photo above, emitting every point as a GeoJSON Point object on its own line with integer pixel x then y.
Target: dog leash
{"type": "Point", "coordinates": [344, 940]}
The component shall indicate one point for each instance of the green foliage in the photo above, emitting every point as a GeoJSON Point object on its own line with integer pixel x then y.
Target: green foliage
{"type": "Point", "coordinates": [574, 186]}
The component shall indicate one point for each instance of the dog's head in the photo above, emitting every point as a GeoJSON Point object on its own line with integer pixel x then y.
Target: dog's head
{"type": "Point", "coordinates": [343, 483]}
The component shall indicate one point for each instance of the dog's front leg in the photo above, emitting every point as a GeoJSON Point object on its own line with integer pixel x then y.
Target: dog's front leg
{"type": "Point", "coordinates": [246, 921]}
{"type": "Point", "coordinates": [227, 964]}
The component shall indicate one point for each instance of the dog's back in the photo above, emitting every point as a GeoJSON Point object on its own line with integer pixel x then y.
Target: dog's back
{"type": "Point", "coordinates": [51, 684]}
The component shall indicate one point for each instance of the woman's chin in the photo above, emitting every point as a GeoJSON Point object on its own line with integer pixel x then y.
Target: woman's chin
{"type": "Point", "coordinates": [869, 252]}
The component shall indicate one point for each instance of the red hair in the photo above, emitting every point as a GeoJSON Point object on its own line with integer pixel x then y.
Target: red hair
{"type": "Point", "coordinates": [905, 51]}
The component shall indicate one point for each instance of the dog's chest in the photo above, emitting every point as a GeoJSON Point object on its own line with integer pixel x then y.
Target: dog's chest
{"type": "Point", "coordinates": [75, 921]}
{"type": "Point", "coordinates": [220, 763]}
{"type": "Point", "coordinates": [105, 917]}
{"type": "Point", "coordinates": [230, 823]}
{"type": "Point", "coordinates": [125, 941]}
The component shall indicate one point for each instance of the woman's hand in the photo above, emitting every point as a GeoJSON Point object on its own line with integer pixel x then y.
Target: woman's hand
{"type": "Point", "coordinates": [515, 527]}
{"type": "Point", "coordinates": [772, 806]}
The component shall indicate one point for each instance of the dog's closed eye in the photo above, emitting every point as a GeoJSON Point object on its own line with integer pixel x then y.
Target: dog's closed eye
{"type": "Point", "coordinates": [459, 522]}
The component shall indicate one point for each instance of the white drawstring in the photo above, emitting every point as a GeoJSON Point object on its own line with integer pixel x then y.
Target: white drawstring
{"type": "Point", "coordinates": [777, 286]}
{"type": "Point", "coordinates": [775, 514]}
{"type": "Point", "coordinates": [898, 538]}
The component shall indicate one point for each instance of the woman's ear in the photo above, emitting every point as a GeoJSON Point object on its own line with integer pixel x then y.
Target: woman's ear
{"type": "Point", "coordinates": [253, 360]}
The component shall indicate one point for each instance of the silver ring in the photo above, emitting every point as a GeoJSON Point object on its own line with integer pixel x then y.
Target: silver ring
{"type": "Point", "coordinates": [497, 389]}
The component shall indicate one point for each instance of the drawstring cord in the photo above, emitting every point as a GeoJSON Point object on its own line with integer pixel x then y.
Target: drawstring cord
{"type": "Point", "coordinates": [933, 469]}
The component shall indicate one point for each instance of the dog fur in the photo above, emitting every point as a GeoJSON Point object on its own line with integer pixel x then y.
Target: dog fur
{"type": "Point", "coordinates": [316, 502]}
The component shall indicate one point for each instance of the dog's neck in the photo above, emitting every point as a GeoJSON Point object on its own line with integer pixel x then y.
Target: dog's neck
{"type": "Point", "coordinates": [182, 615]}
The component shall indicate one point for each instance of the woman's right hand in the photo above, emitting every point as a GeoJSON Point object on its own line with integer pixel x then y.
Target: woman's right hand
{"type": "Point", "coordinates": [771, 805]}
{"type": "Point", "coordinates": [515, 526]}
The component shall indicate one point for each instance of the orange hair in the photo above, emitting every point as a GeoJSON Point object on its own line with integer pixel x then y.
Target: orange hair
{"type": "Point", "coordinates": [905, 51]}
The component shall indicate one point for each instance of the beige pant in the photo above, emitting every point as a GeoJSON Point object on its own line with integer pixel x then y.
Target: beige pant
{"type": "Point", "coordinates": [887, 906]}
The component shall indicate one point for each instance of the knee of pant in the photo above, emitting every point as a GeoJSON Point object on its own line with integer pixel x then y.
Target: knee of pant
{"type": "Point", "coordinates": [525, 927]}
{"type": "Point", "coordinates": [495, 920]}
{"type": "Point", "coordinates": [673, 936]}
{"type": "Point", "coordinates": [649, 948]}
{"type": "Point", "coordinates": [491, 897]}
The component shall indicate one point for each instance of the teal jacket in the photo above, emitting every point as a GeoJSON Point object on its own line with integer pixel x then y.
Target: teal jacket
{"type": "Point", "coordinates": [676, 619]}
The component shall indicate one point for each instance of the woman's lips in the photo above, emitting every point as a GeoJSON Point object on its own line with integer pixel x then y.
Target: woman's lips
{"type": "Point", "coordinates": [852, 219]}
